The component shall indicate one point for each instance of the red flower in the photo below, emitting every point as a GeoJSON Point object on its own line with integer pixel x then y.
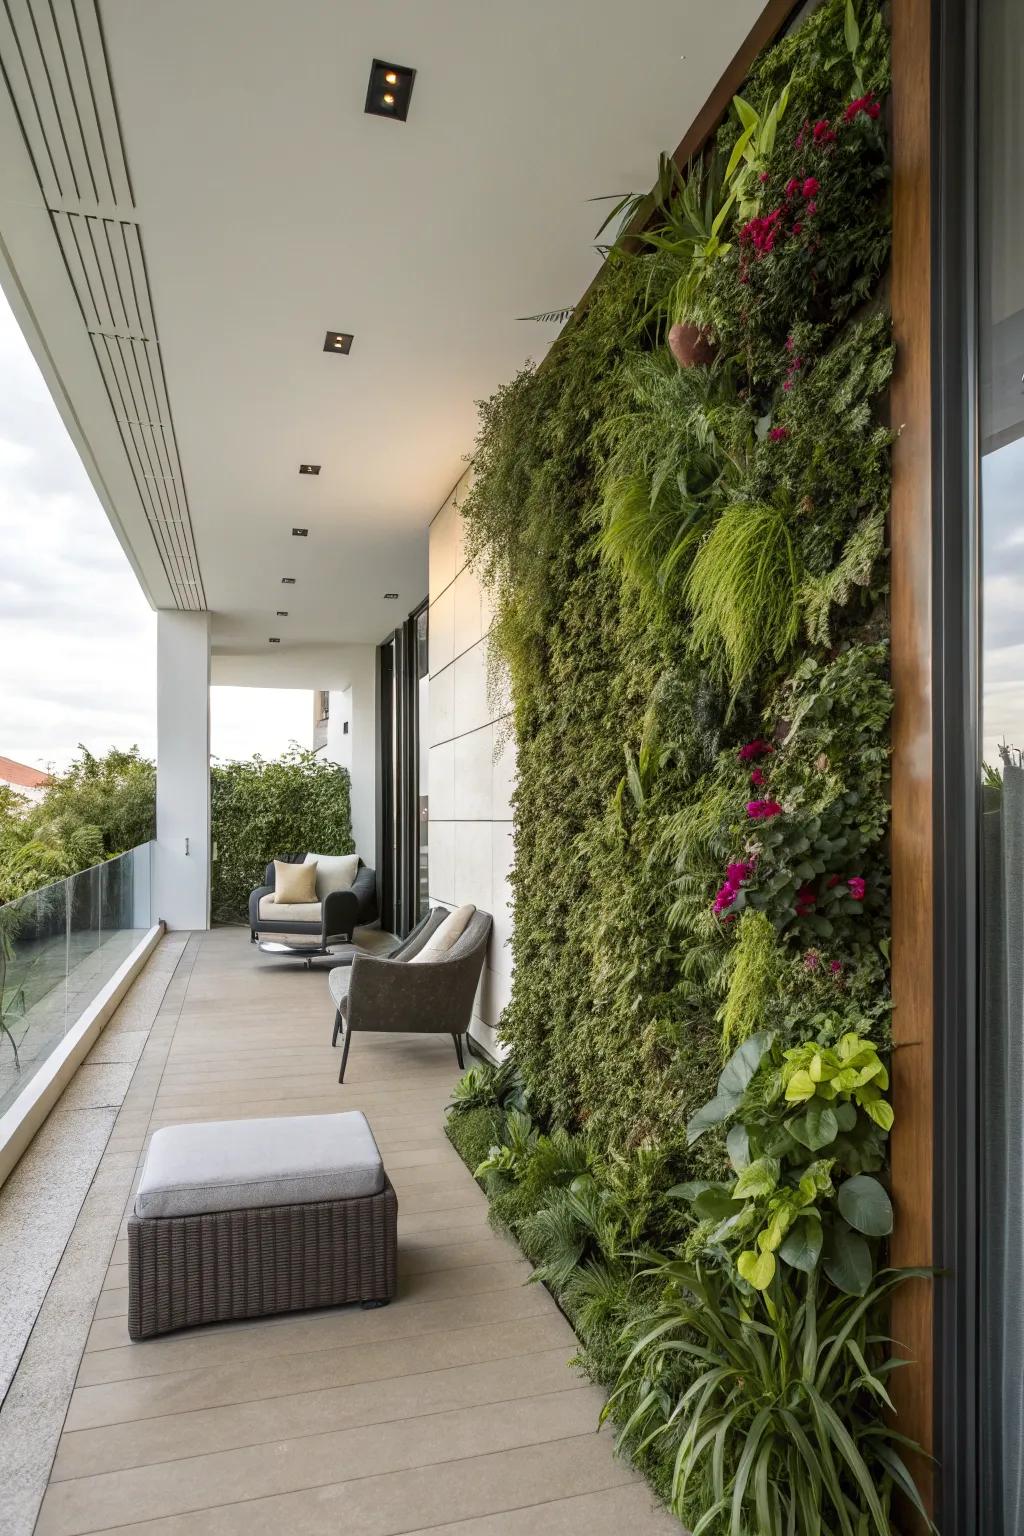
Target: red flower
{"type": "Point", "coordinates": [735, 874]}
{"type": "Point", "coordinates": [761, 233]}
{"type": "Point", "coordinates": [836, 967]}
{"type": "Point", "coordinates": [805, 899]}
{"type": "Point", "coordinates": [866, 104]}
{"type": "Point", "coordinates": [797, 227]}
{"type": "Point", "coordinates": [724, 898]}
{"type": "Point", "coordinates": [763, 810]}
{"type": "Point", "coordinates": [763, 177]}
{"type": "Point", "coordinates": [833, 881]}
{"type": "Point", "coordinates": [823, 131]}
{"type": "Point", "coordinates": [810, 186]}
{"type": "Point", "coordinates": [792, 187]}
{"type": "Point", "coordinates": [811, 209]}
{"type": "Point", "coordinates": [754, 750]}
{"type": "Point", "coordinates": [779, 434]}
{"type": "Point", "coordinates": [857, 887]}
{"type": "Point", "coordinates": [758, 778]}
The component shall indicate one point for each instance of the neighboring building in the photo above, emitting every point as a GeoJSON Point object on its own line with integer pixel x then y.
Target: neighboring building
{"type": "Point", "coordinates": [30, 782]}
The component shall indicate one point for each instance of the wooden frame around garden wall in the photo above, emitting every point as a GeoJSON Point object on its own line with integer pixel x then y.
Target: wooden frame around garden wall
{"type": "Point", "coordinates": [913, 865]}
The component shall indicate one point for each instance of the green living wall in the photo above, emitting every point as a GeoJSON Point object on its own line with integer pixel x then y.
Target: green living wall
{"type": "Point", "coordinates": [681, 517]}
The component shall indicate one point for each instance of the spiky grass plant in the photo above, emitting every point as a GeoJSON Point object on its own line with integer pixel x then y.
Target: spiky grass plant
{"type": "Point", "coordinates": [744, 591]}
{"type": "Point", "coordinates": [778, 1430]}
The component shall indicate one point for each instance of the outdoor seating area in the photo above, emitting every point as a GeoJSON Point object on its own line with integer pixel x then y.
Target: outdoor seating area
{"type": "Point", "coordinates": [402, 1419]}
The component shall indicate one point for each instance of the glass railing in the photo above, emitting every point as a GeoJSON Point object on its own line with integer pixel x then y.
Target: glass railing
{"type": "Point", "coordinates": [59, 946]}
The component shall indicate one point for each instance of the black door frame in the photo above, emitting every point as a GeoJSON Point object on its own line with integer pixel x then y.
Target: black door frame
{"type": "Point", "coordinates": [957, 762]}
{"type": "Point", "coordinates": [398, 781]}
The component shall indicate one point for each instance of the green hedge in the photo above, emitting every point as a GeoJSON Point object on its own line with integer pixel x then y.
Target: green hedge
{"type": "Point", "coordinates": [260, 810]}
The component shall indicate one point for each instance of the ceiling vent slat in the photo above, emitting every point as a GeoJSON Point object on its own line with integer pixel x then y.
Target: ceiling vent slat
{"type": "Point", "coordinates": [94, 53]}
{"type": "Point", "coordinates": [18, 70]}
{"type": "Point", "coordinates": [67, 20]}
{"type": "Point", "coordinates": [66, 105]}
{"type": "Point", "coordinates": [66, 234]}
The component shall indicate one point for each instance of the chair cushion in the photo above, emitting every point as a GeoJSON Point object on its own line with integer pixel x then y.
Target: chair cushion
{"type": "Point", "coordinates": [233, 1165]}
{"type": "Point", "coordinates": [294, 883]}
{"type": "Point", "coordinates": [334, 873]}
{"type": "Point", "coordinates": [442, 939]}
{"type": "Point", "coordinates": [289, 911]}
{"type": "Point", "coordinates": [338, 981]}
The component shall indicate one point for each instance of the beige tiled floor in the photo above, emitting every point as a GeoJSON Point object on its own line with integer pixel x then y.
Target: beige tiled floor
{"type": "Point", "coordinates": [453, 1410]}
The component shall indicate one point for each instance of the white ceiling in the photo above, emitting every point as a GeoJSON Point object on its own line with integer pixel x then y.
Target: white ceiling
{"type": "Point", "coordinates": [272, 208]}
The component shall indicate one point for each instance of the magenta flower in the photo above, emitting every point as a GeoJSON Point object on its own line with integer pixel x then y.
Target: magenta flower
{"type": "Point", "coordinates": [836, 967]}
{"type": "Point", "coordinates": [762, 177]}
{"type": "Point", "coordinates": [857, 887]}
{"type": "Point", "coordinates": [758, 778]}
{"type": "Point", "coordinates": [811, 209]}
{"type": "Point", "coordinates": [823, 131]}
{"type": "Point", "coordinates": [735, 874]}
{"type": "Point", "coordinates": [724, 897]}
{"type": "Point", "coordinates": [792, 187]}
{"type": "Point", "coordinates": [779, 434]}
{"type": "Point", "coordinates": [866, 104]}
{"type": "Point", "coordinates": [763, 810]}
{"type": "Point", "coordinates": [805, 900]}
{"type": "Point", "coordinates": [754, 749]}
{"type": "Point", "coordinates": [810, 186]}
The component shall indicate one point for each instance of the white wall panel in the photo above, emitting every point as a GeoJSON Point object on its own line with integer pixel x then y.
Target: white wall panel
{"type": "Point", "coordinates": [470, 783]}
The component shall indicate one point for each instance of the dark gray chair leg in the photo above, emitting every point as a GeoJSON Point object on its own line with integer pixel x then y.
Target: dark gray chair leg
{"type": "Point", "coordinates": [344, 1055]}
{"type": "Point", "coordinates": [458, 1049]}
{"type": "Point", "coordinates": [337, 1026]}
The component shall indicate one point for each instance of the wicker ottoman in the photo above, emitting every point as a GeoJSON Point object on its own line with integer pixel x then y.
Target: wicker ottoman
{"type": "Point", "coordinates": [248, 1218]}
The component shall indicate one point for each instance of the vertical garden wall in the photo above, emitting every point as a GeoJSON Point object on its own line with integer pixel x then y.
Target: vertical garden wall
{"type": "Point", "coordinates": [681, 517]}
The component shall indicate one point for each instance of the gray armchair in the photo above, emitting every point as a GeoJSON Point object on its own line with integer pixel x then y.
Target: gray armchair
{"type": "Point", "coordinates": [431, 997]}
{"type": "Point", "coordinates": [332, 921]}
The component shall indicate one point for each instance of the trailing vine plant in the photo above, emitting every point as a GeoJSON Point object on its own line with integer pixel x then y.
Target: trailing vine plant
{"type": "Point", "coordinates": [681, 519]}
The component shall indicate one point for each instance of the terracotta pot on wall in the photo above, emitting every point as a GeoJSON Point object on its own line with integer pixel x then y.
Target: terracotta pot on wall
{"type": "Point", "coordinates": [690, 346]}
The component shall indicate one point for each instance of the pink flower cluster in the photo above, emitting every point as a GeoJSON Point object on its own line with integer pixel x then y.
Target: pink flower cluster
{"type": "Point", "coordinates": [761, 233]}
{"type": "Point", "coordinates": [763, 810]}
{"type": "Point", "coordinates": [778, 434]}
{"type": "Point", "coordinates": [758, 778]}
{"type": "Point", "coordinates": [735, 874]}
{"type": "Point", "coordinates": [866, 104]}
{"type": "Point", "coordinates": [754, 750]}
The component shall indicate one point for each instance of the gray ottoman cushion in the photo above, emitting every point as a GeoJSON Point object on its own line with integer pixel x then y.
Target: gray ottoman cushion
{"type": "Point", "coordinates": [232, 1165]}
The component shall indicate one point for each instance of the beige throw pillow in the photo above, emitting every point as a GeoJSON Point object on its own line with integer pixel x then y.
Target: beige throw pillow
{"type": "Point", "coordinates": [294, 882]}
{"type": "Point", "coordinates": [442, 939]}
{"type": "Point", "coordinates": [333, 872]}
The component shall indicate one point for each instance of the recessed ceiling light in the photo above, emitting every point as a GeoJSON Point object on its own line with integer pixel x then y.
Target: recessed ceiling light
{"type": "Point", "coordinates": [282, 613]}
{"type": "Point", "coordinates": [309, 469]}
{"type": "Point", "coordinates": [390, 90]}
{"type": "Point", "coordinates": [390, 596]}
{"type": "Point", "coordinates": [274, 640]}
{"type": "Point", "coordinates": [338, 341]}
{"type": "Point", "coordinates": [287, 581]}
{"type": "Point", "coordinates": [300, 533]}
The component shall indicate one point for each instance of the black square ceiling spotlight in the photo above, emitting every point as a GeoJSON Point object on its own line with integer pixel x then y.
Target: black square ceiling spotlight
{"type": "Point", "coordinates": [309, 469]}
{"type": "Point", "coordinates": [282, 613]}
{"type": "Point", "coordinates": [287, 581]}
{"type": "Point", "coordinates": [300, 533]}
{"type": "Point", "coordinates": [338, 341]}
{"type": "Point", "coordinates": [390, 90]}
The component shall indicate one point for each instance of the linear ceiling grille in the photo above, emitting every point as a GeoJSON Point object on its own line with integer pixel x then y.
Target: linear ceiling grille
{"type": "Point", "coordinates": [54, 63]}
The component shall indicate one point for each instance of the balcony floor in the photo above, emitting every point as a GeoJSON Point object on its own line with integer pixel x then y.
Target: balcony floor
{"type": "Point", "coordinates": [453, 1410]}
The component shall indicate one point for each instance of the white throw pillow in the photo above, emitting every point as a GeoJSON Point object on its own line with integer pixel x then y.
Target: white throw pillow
{"type": "Point", "coordinates": [442, 939]}
{"type": "Point", "coordinates": [333, 873]}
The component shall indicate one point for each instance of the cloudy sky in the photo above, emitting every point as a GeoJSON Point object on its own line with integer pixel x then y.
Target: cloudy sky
{"type": "Point", "coordinates": [77, 637]}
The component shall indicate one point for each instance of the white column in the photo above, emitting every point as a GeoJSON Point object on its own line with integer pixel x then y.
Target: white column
{"type": "Point", "coordinates": [181, 876]}
{"type": "Point", "coordinates": [363, 761]}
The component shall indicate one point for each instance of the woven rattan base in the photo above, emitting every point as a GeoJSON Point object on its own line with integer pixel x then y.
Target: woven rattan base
{"type": "Point", "coordinates": [184, 1270]}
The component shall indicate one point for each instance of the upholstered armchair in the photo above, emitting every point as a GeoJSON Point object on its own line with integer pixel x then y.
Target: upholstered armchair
{"type": "Point", "coordinates": [414, 990]}
{"type": "Point", "coordinates": [321, 923]}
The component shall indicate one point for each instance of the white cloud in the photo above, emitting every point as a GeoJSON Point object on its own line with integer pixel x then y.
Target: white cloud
{"type": "Point", "coordinates": [77, 636]}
